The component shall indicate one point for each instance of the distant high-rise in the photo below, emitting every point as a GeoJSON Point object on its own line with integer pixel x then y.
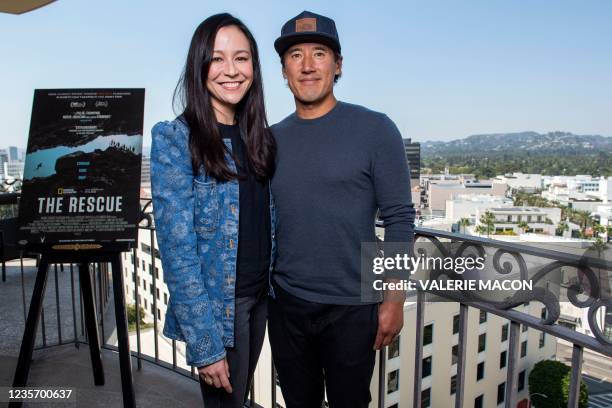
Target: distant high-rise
{"type": "Point", "coordinates": [13, 153]}
{"type": "Point", "coordinates": [4, 158]}
{"type": "Point", "coordinates": [413, 155]}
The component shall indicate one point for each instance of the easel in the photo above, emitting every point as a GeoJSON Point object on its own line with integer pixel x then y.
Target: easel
{"type": "Point", "coordinates": [83, 257]}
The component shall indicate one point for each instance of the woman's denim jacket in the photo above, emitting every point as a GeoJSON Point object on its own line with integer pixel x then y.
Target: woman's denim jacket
{"type": "Point", "coordinates": [196, 219]}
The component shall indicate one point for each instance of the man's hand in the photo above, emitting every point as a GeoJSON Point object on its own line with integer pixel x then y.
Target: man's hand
{"type": "Point", "coordinates": [216, 374]}
{"type": "Point", "coordinates": [390, 322]}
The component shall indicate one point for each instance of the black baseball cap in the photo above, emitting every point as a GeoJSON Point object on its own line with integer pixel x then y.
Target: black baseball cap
{"type": "Point", "coordinates": [308, 27]}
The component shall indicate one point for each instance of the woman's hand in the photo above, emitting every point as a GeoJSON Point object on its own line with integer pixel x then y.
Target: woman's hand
{"type": "Point", "coordinates": [216, 374]}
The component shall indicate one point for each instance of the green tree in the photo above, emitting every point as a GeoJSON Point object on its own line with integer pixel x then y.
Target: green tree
{"type": "Point", "coordinates": [488, 221]}
{"type": "Point", "coordinates": [523, 225]}
{"type": "Point", "coordinates": [598, 229]}
{"type": "Point", "coordinates": [599, 245]}
{"type": "Point", "coordinates": [131, 316]}
{"type": "Point", "coordinates": [561, 228]}
{"type": "Point", "coordinates": [464, 222]}
{"type": "Point", "coordinates": [481, 229]}
{"type": "Point", "coordinates": [551, 378]}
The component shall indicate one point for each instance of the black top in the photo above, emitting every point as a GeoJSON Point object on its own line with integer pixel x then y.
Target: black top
{"type": "Point", "coordinates": [254, 245]}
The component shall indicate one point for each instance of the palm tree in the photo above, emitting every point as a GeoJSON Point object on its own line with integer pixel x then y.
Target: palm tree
{"type": "Point", "coordinates": [464, 222]}
{"type": "Point", "coordinates": [481, 229]}
{"type": "Point", "coordinates": [488, 221]}
{"type": "Point", "coordinates": [523, 225]}
{"type": "Point", "coordinates": [561, 228]}
{"type": "Point", "coordinates": [598, 229]}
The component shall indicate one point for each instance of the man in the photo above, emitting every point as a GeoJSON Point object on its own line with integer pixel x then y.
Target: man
{"type": "Point", "coordinates": [337, 165]}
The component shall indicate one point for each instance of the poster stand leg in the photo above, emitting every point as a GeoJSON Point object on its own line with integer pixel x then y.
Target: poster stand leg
{"type": "Point", "coordinates": [29, 336]}
{"type": "Point", "coordinates": [125, 359]}
{"type": "Point", "coordinates": [91, 323]}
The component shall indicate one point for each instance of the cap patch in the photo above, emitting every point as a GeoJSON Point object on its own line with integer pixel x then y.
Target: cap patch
{"type": "Point", "coordinates": [306, 24]}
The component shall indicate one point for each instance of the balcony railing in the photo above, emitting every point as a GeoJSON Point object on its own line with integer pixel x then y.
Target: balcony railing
{"type": "Point", "coordinates": [587, 291]}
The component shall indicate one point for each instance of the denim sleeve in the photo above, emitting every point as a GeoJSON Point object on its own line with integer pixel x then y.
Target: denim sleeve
{"type": "Point", "coordinates": [173, 210]}
{"type": "Point", "coordinates": [391, 177]}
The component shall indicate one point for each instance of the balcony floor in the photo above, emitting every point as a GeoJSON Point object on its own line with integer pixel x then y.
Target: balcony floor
{"type": "Point", "coordinates": [68, 367]}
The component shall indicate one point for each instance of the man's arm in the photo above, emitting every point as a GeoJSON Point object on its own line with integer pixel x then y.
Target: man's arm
{"type": "Point", "coordinates": [391, 177]}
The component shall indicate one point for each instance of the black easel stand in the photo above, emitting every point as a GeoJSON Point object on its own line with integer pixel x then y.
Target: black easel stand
{"type": "Point", "coordinates": [83, 258]}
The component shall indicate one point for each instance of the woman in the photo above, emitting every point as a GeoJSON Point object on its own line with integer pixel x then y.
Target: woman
{"type": "Point", "coordinates": [210, 169]}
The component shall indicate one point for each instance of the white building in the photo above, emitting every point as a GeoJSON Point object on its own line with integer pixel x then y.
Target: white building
{"type": "Point", "coordinates": [539, 220]}
{"type": "Point", "coordinates": [467, 205]}
{"type": "Point", "coordinates": [581, 192]}
{"type": "Point", "coordinates": [13, 169]}
{"type": "Point", "coordinates": [440, 191]}
{"type": "Point", "coordinates": [521, 181]}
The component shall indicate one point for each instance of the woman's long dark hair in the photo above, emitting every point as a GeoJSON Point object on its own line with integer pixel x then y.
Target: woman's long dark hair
{"type": "Point", "coordinates": [205, 142]}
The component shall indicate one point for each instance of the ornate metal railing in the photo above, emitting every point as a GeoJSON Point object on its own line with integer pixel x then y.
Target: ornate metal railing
{"type": "Point", "coordinates": [587, 289]}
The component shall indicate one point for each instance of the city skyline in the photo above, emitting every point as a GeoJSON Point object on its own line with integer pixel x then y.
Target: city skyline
{"type": "Point", "coordinates": [441, 71]}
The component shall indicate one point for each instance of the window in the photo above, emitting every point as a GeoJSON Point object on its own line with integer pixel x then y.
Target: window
{"type": "Point", "coordinates": [454, 354]}
{"type": "Point", "coordinates": [426, 367]}
{"type": "Point", "coordinates": [428, 334]}
{"type": "Point", "coordinates": [504, 335]}
{"type": "Point", "coordinates": [483, 317]}
{"type": "Point", "coordinates": [393, 381]}
{"type": "Point", "coordinates": [524, 348]}
{"type": "Point", "coordinates": [478, 402]}
{"type": "Point", "coordinates": [152, 310]}
{"type": "Point", "coordinates": [453, 384]}
{"type": "Point", "coordinates": [482, 342]}
{"type": "Point", "coordinates": [157, 290]}
{"type": "Point", "coordinates": [521, 381]}
{"type": "Point", "coordinates": [503, 359]}
{"type": "Point", "coordinates": [524, 328]}
{"type": "Point", "coordinates": [480, 371]}
{"type": "Point", "coordinates": [156, 272]}
{"type": "Point", "coordinates": [143, 265]}
{"type": "Point", "coordinates": [542, 340]}
{"type": "Point", "coordinates": [145, 248]}
{"type": "Point", "coordinates": [426, 398]}
{"type": "Point", "coordinates": [394, 348]}
{"type": "Point", "coordinates": [165, 298]}
{"type": "Point", "coordinates": [158, 314]}
{"type": "Point", "coordinates": [146, 304]}
{"type": "Point", "coordinates": [455, 324]}
{"type": "Point", "coordinates": [501, 393]}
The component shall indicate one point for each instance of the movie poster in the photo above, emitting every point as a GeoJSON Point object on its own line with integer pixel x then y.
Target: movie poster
{"type": "Point", "coordinates": [81, 181]}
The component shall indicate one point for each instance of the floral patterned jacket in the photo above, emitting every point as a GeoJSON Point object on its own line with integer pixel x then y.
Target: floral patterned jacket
{"type": "Point", "coordinates": [196, 220]}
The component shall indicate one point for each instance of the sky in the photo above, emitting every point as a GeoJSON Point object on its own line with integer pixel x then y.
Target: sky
{"type": "Point", "coordinates": [442, 70]}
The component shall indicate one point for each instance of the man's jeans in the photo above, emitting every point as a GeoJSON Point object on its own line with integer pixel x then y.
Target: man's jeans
{"type": "Point", "coordinates": [317, 345]}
